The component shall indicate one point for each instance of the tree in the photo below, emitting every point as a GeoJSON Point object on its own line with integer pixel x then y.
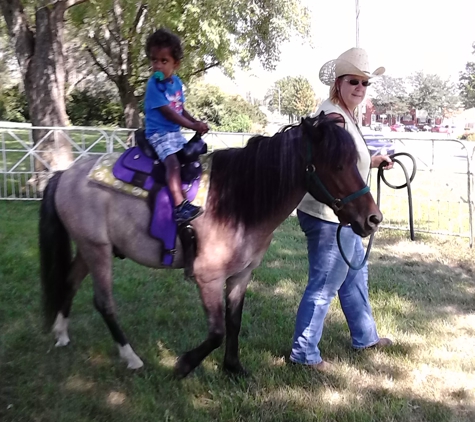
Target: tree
{"type": "Point", "coordinates": [225, 113]}
{"type": "Point", "coordinates": [36, 30]}
{"type": "Point", "coordinates": [467, 85]}
{"type": "Point", "coordinates": [391, 96]}
{"type": "Point", "coordinates": [438, 97]}
{"type": "Point", "coordinates": [214, 33]}
{"type": "Point", "coordinates": [294, 95]}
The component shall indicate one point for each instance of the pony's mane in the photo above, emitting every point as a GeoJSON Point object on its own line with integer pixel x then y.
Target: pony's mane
{"type": "Point", "coordinates": [249, 184]}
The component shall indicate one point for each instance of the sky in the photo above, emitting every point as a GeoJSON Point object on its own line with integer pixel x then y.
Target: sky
{"type": "Point", "coordinates": [404, 36]}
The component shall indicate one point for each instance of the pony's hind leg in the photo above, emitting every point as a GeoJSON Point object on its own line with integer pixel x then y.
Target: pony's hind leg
{"type": "Point", "coordinates": [99, 259]}
{"type": "Point", "coordinates": [76, 275]}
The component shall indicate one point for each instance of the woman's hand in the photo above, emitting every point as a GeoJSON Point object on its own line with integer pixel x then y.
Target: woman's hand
{"type": "Point", "coordinates": [376, 160]}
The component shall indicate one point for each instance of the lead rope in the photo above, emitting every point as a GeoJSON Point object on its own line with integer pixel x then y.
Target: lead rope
{"type": "Point", "coordinates": [378, 202]}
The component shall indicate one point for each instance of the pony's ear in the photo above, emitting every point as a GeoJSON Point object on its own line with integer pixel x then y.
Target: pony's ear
{"type": "Point", "coordinates": [311, 122]}
{"type": "Point", "coordinates": [308, 123]}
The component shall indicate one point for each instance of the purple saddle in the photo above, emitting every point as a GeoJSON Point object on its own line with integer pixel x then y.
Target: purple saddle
{"type": "Point", "coordinates": [148, 173]}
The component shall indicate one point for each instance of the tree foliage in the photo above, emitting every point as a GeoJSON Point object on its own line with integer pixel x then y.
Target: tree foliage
{"type": "Point", "coordinates": [391, 95]}
{"type": "Point", "coordinates": [293, 95]}
{"type": "Point", "coordinates": [92, 108]}
{"type": "Point", "coordinates": [433, 94]}
{"type": "Point", "coordinates": [14, 105]}
{"type": "Point", "coordinates": [224, 113]}
{"type": "Point", "coordinates": [214, 33]}
{"type": "Point", "coordinates": [467, 85]}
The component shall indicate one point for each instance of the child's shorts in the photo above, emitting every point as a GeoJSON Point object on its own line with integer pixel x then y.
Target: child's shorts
{"type": "Point", "coordinates": [168, 144]}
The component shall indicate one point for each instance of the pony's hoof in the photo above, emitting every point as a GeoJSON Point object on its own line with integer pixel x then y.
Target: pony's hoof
{"type": "Point", "coordinates": [236, 371]}
{"type": "Point", "coordinates": [127, 354]}
{"type": "Point", "coordinates": [135, 364]}
{"type": "Point", "coordinates": [62, 341]}
{"type": "Point", "coordinates": [182, 368]}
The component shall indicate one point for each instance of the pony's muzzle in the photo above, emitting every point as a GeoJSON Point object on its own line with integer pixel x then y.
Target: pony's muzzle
{"type": "Point", "coordinates": [373, 221]}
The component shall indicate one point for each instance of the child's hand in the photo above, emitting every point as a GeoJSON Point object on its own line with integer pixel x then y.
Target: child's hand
{"type": "Point", "coordinates": [201, 127]}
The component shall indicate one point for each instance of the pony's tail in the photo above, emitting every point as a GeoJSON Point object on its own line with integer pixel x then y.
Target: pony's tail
{"type": "Point", "coordinates": [55, 254]}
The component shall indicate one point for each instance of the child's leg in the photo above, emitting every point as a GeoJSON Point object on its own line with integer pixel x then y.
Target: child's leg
{"type": "Point", "coordinates": [174, 179]}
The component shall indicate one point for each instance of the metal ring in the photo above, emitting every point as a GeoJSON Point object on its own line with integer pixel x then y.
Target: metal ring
{"type": "Point", "coordinates": [310, 168]}
{"type": "Point", "coordinates": [337, 203]}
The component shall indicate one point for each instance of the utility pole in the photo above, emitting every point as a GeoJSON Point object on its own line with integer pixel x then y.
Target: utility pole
{"type": "Point", "coordinates": [357, 9]}
{"type": "Point", "coordinates": [357, 6]}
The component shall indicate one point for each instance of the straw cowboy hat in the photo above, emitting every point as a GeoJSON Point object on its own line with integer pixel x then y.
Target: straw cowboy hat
{"type": "Point", "coordinates": [352, 62]}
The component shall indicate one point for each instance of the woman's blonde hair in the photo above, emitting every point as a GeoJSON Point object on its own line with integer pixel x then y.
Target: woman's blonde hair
{"type": "Point", "coordinates": [335, 96]}
{"type": "Point", "coordinates": [334, 91]}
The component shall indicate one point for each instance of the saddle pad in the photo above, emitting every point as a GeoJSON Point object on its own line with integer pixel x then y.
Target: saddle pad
{"type": "Point", "coordinates": [101, 173]}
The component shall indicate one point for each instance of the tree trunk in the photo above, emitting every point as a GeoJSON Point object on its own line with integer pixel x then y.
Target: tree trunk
{"type": "Point", "coordinates": [44, 85]}
{"type": "Point", "coordinates": [41, 61]}
{"type": "Point", "coordinates": [129, 103]}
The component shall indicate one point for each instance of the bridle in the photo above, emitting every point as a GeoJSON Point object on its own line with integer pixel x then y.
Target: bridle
{"type": "Point", "coordinates": [313, 181]}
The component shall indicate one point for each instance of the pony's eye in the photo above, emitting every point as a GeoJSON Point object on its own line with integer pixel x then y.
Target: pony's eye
{"type": "Point", "coordinates": [339, 167]}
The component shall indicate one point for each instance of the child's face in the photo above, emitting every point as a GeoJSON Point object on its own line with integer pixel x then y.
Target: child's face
{"type": "Point", "coordinates": [163, 61]}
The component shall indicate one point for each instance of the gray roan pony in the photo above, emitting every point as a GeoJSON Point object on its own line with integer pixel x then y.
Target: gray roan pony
{"type": "Point", "coordinates": [252, 191]}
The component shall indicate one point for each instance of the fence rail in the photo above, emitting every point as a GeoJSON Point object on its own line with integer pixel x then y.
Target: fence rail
{"type": "Point", "coordinates": [442, 189]}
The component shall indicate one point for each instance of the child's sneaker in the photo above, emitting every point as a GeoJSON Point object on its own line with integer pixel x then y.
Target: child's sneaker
{"type": "Point", "coordinates": [186, 212]}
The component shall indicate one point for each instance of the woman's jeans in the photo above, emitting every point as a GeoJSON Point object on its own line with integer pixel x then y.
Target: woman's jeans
{"type": "Point", "coordinates": [329, 275]}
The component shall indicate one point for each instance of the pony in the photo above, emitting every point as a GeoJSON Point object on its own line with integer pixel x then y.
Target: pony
{"type": "Point", "coordinates": [252, 191]}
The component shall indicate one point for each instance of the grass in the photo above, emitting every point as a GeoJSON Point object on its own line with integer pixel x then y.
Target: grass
{"type": "Point", "coordinates": [422, 293]}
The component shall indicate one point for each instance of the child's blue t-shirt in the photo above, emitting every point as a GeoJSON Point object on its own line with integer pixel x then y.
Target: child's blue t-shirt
{"type": "Point", "coordinates": [158, 94]}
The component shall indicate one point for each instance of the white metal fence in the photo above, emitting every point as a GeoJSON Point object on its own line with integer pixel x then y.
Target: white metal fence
{"type": "Point", "coordinates": [19, 153]}
{"type": "Point", "coordinates": [442, 189]}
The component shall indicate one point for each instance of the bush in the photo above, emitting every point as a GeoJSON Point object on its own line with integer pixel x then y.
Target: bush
{"type": "Point", "coordinates": [13, 105]}
{"type": "Point", "coordinates": [235, 123]}
{"type": "Point", "coordinates": [468, 136]}
{"type": "Point", "coordinates": [85, 108]}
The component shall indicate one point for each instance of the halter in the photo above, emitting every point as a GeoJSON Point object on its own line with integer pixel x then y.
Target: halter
{"type": "Point", "coordinates": [312, 179]}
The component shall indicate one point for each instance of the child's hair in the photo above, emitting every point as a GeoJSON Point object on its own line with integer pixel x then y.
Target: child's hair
{"type": "Point", "coordinates": [163, 38]}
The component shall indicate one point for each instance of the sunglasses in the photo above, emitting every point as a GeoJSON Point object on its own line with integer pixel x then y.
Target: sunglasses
{"type": "Point", "coordinates": [355, 82]}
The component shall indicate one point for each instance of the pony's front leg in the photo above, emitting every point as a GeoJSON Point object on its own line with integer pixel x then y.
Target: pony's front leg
{"type": "Point", "coordinates": [235, 291]}
{"type": "Point", "coordinates": [211, 292]}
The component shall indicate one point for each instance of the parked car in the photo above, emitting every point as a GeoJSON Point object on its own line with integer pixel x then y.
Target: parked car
{"type": "Point", "coordinates": [380, 127]}
{"type": "Point", "coordinates": [424, 127]}
{"type": "Point", "coordinates": [397, 127]}
{"type": "Point", "coordinates": [377, 143]}
{"type": "Point", "coordinates": [441, 129]}
{"type": "Point", "coordinates": [411, 128]}
{"type": "Point", "coordinates": [376, 126]}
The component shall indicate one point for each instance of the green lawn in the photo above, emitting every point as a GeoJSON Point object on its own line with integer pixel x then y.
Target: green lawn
{"type": "Point", "coordinates": [422, 293]}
